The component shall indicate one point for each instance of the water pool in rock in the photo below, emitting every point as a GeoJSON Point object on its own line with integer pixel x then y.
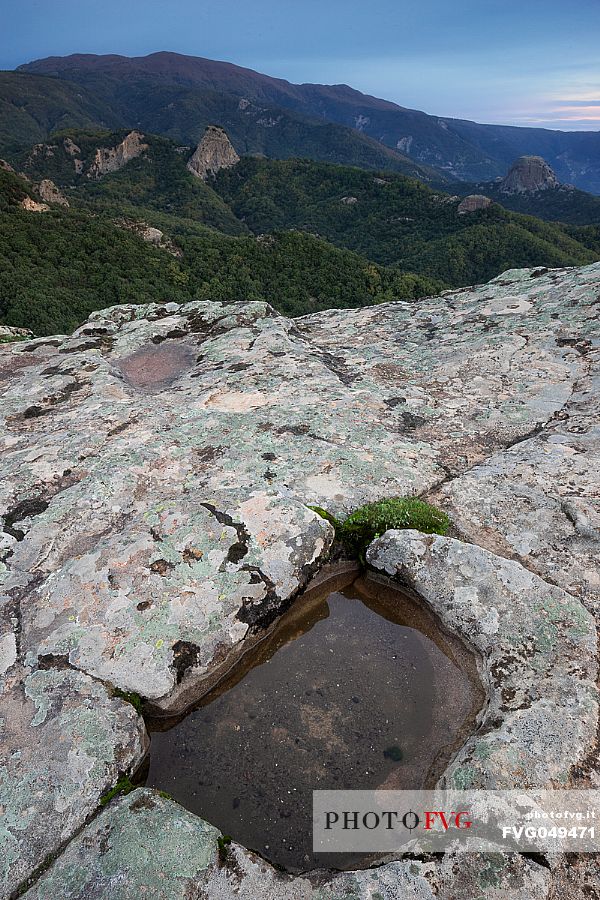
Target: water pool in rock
{"type": "Point", "coordinates": [352, 688]}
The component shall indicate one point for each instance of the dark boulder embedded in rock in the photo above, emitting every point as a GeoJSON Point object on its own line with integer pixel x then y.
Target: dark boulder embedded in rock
{"type": "Point", "coordinates": [528, 175]}
{"type": "Point", "coordinates": [214, 152]}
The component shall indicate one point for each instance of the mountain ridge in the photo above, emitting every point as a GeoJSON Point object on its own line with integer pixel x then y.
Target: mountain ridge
{"type": "Point", "coordinates": [459, 149]}
{"type": "Point", "coordinates": [182, 113]}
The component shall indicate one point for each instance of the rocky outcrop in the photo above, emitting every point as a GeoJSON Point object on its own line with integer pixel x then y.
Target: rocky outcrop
{"type": "Point", "coordinates": [5, 167]}
{"type": "Point", "coordinates": [528, 175]}
{"type": "Point", "coordinates": [214, 152]}
{"type": "Point", "coordinates": [472, 203]}
{"type": "Point", "coordinates": [157, 470]}
{"type": "Point", "coordinates": [151, 235]}
{"type": "Point", "coordinates": [548, 676]}
{"type": "Point", "coordinates": [147, 846]}
{"type": "Point", "coordinates": [49, 192]}
{"type": "Point", "coordinates": [31, 205]}
{"type": "Point", "coordinates": [64, 742]}
{"type": "Point", "coordinates": [71, 148]}
{"type": "Point", "coordinates": [112, 159]}
{"type": "Point", "coordinates": [8, 333]}
{"type": "Point", "coordinates": [47, 151]}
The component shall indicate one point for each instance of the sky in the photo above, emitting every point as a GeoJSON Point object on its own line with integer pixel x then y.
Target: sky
{"type": "Point", "coordinates": [518, 62]}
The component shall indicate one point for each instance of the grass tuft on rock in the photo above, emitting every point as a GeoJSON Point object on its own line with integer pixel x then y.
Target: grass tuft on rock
{"type": "Point", "coordinates": [123, 786]}
{"type": "Point", "coordinates": [223, 844]}
{"type": "Point", "coordinates": [325, 515]}
{"type": "Point", "coordinates": [374, 519]}
{"type": "Point", "coordinates": [130, 697]}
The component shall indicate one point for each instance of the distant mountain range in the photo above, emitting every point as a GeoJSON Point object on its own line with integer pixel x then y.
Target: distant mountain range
{"type": "Point", "coordinates": [178, 96]}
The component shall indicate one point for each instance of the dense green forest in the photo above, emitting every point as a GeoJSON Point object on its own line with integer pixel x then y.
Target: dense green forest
{"type": "Point", "coordinates": [393, 220]}
{"type": "Point", "coordinates": [563, 204]}
{"type": "Point", "coordinates": [58, 266]}
{"type": "Point", "coordinates": [302, 235]}
{"type": "Point", "coordinates": [35, 108]}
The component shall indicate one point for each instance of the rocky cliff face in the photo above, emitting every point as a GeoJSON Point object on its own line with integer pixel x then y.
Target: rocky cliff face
{"type": "Point", "coordinates": [31, 205]}
{"type": "Point", "coordinates": [214, 152]}
{"type": "Point", "coordinates": [528, 175]}
{"type": "Point", "coordinates": [157, 470]}
{"type": "Point", "coordinates": [49, 192]}
{"type": "Point", "coordinates": [472, 203]}
{"type": "Point", "coordinates": [114, 158]}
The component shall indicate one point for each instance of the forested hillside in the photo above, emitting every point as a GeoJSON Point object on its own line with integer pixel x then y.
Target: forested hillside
{"type": "Point", "coordinates": [302, 235]}
{"type": "Point", "coordinates": [58, 266]}
{"type": "Point", "coordinates": [393, 220]}
{"type": "Point", "coordinates": [563, 204]}
{"type": "Point", "coordinates": [177, 96]}
{"type": "Point", "coordinates": [35, 108]}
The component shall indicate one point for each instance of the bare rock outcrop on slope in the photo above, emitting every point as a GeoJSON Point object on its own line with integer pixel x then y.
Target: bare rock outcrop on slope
{"type": "Point", "coordinates": [31, 205]}
{"type": "Point", "coordinates": [214, 152]}
{"type": "Point", "coordinates": [49, 192]}
{"type": "Point", "coordinates": [111, 159]}
{"type": "Point", "coordinates": [528, 175]}
{"type": "Point", "coordinates": [472, 203]}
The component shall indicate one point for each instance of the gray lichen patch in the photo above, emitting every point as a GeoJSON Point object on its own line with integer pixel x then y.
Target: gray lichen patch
{"type": "Point", "coordinates": [63, 743]}
{"type": "Point", "coordinates": [144, 845]}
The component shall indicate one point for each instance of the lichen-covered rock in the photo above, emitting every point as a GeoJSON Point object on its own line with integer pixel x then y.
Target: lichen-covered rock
{"type": "Point", "coordinates": [158, 465]}
{"type": "Point", "coordinates": [503, 379]}
{"type": "Point", "coordinates": [539, 501]}
{"type": "Point", "coordinates": [147, 846]}
{"type": "Point", "coordinates": [214, 152]}
{"type": "Point", "coordinates": [143, 845]}
{"type": "Point", "coordinates": [63, 743]}
{"type": "Point", "coordinates": [156, 473]}
{"type": "Point", "coordinates": [168, 503]}
{"type": "Point", "coordinates": [536, 648]}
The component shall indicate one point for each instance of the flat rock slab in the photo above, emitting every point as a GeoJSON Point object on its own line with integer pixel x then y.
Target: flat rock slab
{"type": "Point", "coordinates": [63, 744]}
{"type": "Point", "coordinates": [537, 658]}
{"type": "Point", "coordinates": [156, 473]}
{"type": "Point", "coordinates": [539, 501]}
{"type": "Point", "coordinates": [145, 845]}
{"type": "Point", "coordinates": [158, 465]}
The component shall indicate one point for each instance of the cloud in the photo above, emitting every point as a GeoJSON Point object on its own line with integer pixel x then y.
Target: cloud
{"type": "Point", "coordinates": [578, 104]}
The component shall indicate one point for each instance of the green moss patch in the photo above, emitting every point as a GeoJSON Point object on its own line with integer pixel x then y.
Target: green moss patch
{"type": "Point", "coordinates": [368, 522]}
{"type": "Point", "coordinates": [123, 786]}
